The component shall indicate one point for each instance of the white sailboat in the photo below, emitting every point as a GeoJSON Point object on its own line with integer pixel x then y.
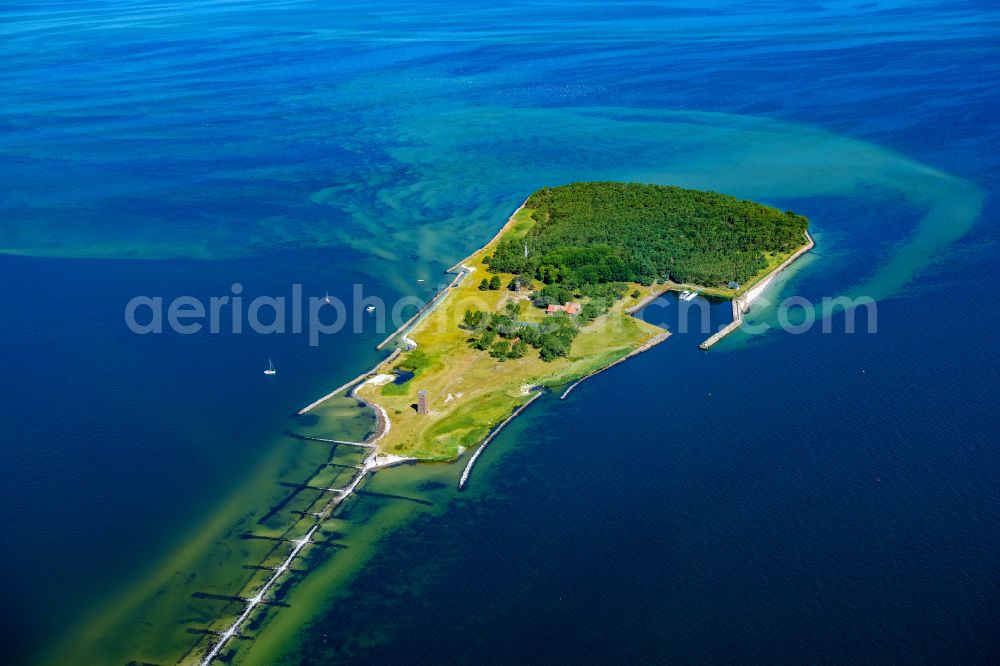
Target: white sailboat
{"type": "Point", "coordinates": [270, 368]}
{"type": "Point", "coordinates": [327, 298]}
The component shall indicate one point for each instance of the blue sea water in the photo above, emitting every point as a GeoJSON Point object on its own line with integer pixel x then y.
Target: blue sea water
{"type": "Point", "coordinates": [790, 498]}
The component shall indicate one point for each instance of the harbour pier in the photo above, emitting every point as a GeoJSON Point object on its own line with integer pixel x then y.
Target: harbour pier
{"type": "Point", "coordinates": [727, 329]}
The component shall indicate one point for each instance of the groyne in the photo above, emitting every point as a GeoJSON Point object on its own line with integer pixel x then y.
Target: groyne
{"type": "Point", "coordinates": [482, 447]}
{"type": "Point", "coordinates": [655, 340]}
{"type": "Point", "coordinates": [363, 445]}
{"type": "Point", "coordinates": [373, 461]}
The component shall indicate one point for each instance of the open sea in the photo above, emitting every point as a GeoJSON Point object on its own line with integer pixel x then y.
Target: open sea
{"type": "Point", "coordinates": [819, 497]}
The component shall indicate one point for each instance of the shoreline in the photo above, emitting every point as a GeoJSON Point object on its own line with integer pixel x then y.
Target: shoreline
{"type": "Point", "coordinates": [754, 292]}
{"type": "Point", "coordinates": [429, 306]}
{"type": "Point", "coordinates": [742, 304]}
{"type": "Point", "coordinates": [496, 237]}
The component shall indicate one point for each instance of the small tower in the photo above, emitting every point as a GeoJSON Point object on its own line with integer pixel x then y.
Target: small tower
{"type": "Point", "coordinates": [421, 402]}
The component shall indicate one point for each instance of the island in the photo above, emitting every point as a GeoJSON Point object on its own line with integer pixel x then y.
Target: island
{"type": "Point", "coordinates": [549, 301]}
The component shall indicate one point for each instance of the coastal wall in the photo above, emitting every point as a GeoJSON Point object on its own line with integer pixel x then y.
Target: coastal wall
{"type": "Point", "coordinates": [646, 301]}
{"type": "Point", "coordinates": [496, 237]}
{"type": "Point", "coordinates": [372, 462]}
{"type": "Point", "coordinates": [742, 304]}
{"type": "Point", "coordinates": [427, 307]}
{"type": "Point", "coordinates": [389, 359]}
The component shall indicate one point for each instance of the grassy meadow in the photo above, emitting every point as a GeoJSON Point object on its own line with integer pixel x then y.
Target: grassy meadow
{"type": "Point", "coordinates": [469, 391]}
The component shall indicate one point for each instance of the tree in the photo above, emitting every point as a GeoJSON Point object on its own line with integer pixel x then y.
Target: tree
{"type": "Point", "coordinates": [484, 285]}
{"type": "Point", "coordinates": [505, 325]}
{"type": "Point", "coordinates": [592, 310]}
{"type": "Point", "coordinates": [552, 294]}
{"type": "Point", "coordinates": [495, 283]}
{"type": "Point", "coordinates": [500, 350]}
{"type": "Point", "coordinates": [513, 308]}
{"type": "Point", "coordinates": [472, 318]}
{"type": "Point", "coordinates": [553, 346]}
{"type": "Point", "coordinates": [518, 349]}
{"type": "Point", "coordinates": [636, 293]}
{"type": "Point", "coordinates": [529, 335]}
{"type": "Point", "coordinates": [592, 233]}
{"type": "Point", "coordinates": [485, 340]}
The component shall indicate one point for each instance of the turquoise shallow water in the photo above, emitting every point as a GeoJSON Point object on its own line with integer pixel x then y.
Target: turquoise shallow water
{"type": "Point", "coordinates": [176, 148]}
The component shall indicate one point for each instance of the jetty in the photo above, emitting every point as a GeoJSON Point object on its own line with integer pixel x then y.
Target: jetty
{"type": "Point", "coordinates": [727, 329]}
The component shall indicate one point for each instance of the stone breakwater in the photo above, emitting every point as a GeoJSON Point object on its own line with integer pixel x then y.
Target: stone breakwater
{"type": "Point", "coordinates": [507, 225]}
{"type": "Point", "coordinates": [462, 271]}
{"type": "Point", "coordinates": [647, 300]}
{"type": "Point", "coordinates": [728, 328]}
{"type": "Point", "coordinates": [655, 340]}
{"type": "Point", "coordinates": [372, 462]}
{"type": "Point", "coordinates": [482, 447]}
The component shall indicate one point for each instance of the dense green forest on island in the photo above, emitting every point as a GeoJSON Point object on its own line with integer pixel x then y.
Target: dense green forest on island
{"type": "Point", "coordinates": [591, 233]}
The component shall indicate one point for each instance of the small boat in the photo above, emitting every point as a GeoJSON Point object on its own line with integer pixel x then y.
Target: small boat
{"type": "Point", "coordinates": [420, 279]}
{"type": "Point", "coordinates": [327, 298]}
{"type": "Point", "coordinates": [689, 295]}
{"type": "Point", "coordinates": [270, 368]}
{"type": "Point", "coordinates": [370, 308]}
